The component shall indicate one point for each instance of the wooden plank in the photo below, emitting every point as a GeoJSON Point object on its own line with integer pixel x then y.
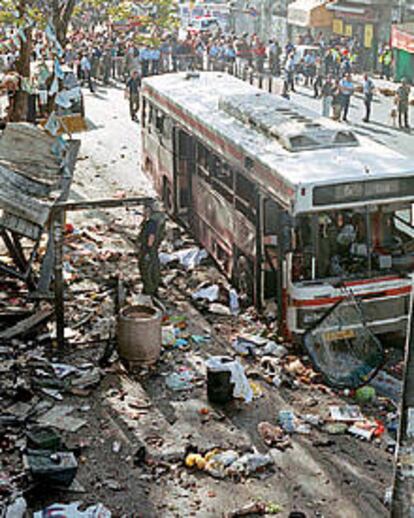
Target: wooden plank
{"type": "Point", "coordinates": [30, 147]}
{"type": "Point", "coordinates": [26, 185]}
{"type": "Point", "coordinates": [46, 270]}
{"type": "Point", "coordinates": [26, 325]}
{"type": "Point", "coordinates": [20, 226]}
{"type": "Point", "coordinates": [24, 206]}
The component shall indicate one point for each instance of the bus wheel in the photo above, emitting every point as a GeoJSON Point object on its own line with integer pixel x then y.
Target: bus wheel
{"type": "Point", "coordinates": [167, 196]}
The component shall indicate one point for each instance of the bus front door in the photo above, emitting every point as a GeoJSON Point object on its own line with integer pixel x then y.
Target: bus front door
{"type": "Point", "coordinates": [274, 247]}
{"type": "Point", "coordinates": [184, 164]}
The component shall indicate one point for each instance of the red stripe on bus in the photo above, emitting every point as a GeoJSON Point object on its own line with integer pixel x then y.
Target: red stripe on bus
{"type": "Point", "coordinates": [333, 300]}
{"type": "Point", "coordinates": [370, 281]}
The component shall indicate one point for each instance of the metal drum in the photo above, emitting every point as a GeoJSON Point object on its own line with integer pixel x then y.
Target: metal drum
{"type": "Point", "coordinates": [139, 335]}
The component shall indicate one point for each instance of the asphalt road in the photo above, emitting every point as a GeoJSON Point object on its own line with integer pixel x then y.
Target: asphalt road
{"type": "Point", "coordinates": [337, 476]}
{"type": "Point", "coordinates": [380, 128]}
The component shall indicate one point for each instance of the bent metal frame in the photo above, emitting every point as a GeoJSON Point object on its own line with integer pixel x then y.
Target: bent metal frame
{"type": "Point", "coordinates": [58, 219]}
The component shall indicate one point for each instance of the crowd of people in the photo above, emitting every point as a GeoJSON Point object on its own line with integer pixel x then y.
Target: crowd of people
{"type": "Point", "coordinates": [325, 65]}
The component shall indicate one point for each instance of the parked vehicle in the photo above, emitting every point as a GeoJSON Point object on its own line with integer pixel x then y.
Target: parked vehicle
{"type": "Point", "coordinates": [293, 207]}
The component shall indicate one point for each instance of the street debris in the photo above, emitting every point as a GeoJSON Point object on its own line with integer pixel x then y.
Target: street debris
{"type": "Point", "coordinates": [274, 436]}
{"type": "Point", "coordinates": [78, 417]}
{"type": "Point", "coordinates": [72, 511]}
{"type": "Point", "coordinates": [230, 463]}
{"type": "Point", "coordinates": [219, 365]}
{"type": "Point", "coordinates": [342, 347]}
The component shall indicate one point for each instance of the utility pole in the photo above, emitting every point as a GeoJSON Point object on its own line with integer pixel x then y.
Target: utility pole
{"type": "Point", "coordinates": [402, 505]}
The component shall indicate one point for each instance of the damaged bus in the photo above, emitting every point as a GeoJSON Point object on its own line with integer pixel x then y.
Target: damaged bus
{"type": "Point", "coordinates": [293, 207]}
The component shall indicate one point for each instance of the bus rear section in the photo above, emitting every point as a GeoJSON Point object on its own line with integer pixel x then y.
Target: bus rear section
{"type": "Point", "coordinates": [296, 211]}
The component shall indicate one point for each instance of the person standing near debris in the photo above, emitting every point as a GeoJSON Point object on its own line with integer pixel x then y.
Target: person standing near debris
{"type": "Point", "coordinates": [86, 71]}
{"type": "Point", "coordinates": [327, 96]}
{"type": "Point", "coordinates": [150, 237]}
{"type": "Point", "coordinates": [368, 88]}
{"type": "Point", "coordinates": [403, 101]}
{"type": "Point", "coordinates": [132, 93]}
{"type": "Point", "coordinates": [347, 89]}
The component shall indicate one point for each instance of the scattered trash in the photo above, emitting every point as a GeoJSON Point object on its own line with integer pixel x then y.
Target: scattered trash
{"type": "Point", "coordinates": [178, 381]}
{"type": "Point", "coordinates": [288, 420]}
{"type": "Point", "coordinates": [364, 395]}
{"type": "Point", "coordinates": [367, 429]}
{"type": "Point", "coordinates": [72, 511]}
{"type": "Point", "coordinates": [335, 428]}
{"type": "Point", "coordinates": [348, 413]}
{"type": "Point", "coordinates": [210, 293]}
{"type": "Point", "coordinates": [234, 302]}
{"type": "Point", "coordinates": [229, 463]}
{"type": "Point", "coordinates": [347, 357]}
{"type": "Point", "coordinates": [58, 417]}
{"type": "Point", "coordinates": [274, 436]}
{"type": "Point", "coordinates": [255, 508]}
{"type": "Point", "coordinates": [17, 509]}
{"type": "Point", "coordinates": [116, 446]}
{"type": "Point", "coordinates": [55, 468]}
{"type": "Point", "coordinates": [219, 309]}
{"type": "Point", "coordinates": [189, 258]}
{"type": "Point", "coordinates": [43, 438]}
{"type": "Point", "coordinates": [223, 364]}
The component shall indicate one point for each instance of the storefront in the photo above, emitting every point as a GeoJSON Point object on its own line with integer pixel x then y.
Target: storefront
{"type": "Point", "coordinates": [402, 41]}
{"type": "Point", "coordinates": [368, 23]}
{"type": "Point", "coordinates": [309, 16]}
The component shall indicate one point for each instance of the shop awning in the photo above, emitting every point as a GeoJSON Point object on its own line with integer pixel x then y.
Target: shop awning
{"type": "Point", "coordinates": [309, 13]}
{"type": "Point", "coordinates": [351, 11]}
{"type": "Point", "coordinates": [402, 37]}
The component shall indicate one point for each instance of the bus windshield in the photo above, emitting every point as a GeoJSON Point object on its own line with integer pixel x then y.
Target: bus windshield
{"type": "Point", "coordinates": [353, 243]}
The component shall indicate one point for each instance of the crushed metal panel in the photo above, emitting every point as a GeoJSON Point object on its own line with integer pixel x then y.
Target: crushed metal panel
{"type": "Point", "coordinates": [23, 206]}
{"type": "Point", "coordinates": [29, 149]}
{"type": "Point", "coordinates": [295, 130]}
{"type": "Point", "coordinates": [20, 226]}
{"type": "Point", "coordinates": [28, 186]}
{"type": "Point", "coordinates": [342, 347]}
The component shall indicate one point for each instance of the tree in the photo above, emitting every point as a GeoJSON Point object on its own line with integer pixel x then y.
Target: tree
{"type": "Point", "coordinates": [161, 17]}
{"type": "Point", "coordinates": [24, 15]}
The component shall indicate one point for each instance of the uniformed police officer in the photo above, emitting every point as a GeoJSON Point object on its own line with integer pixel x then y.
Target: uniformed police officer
{"type": "Point", "coordinates": [151, 234]}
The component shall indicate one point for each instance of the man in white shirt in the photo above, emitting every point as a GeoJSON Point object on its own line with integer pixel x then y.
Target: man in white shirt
{"type": "Point", "coordinates": [86, 71]}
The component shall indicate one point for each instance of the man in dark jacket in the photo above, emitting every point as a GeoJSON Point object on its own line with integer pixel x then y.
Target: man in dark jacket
{"type": "Point", "coordinates": [149, 240]}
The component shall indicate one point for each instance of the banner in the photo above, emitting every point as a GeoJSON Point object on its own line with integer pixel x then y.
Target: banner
{"type": "Point", "coordinates": [402, 39]}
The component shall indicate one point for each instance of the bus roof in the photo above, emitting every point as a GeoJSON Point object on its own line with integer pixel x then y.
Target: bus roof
{"type": "Point", "coordinates": [297, 145]}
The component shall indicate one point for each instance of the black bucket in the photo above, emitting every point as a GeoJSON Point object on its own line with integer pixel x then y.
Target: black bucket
{"type": "Point", "coordinates": [219, 386]}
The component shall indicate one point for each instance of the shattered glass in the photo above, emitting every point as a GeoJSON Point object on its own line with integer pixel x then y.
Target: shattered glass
{"type": "Point", "coordinates": [342, 347]}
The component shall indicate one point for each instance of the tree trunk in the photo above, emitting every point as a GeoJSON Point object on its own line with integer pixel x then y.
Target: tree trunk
{"type": "Point", "coordinates": [20, 104]}
{"type": "Point", "coordinates": [61, 19]}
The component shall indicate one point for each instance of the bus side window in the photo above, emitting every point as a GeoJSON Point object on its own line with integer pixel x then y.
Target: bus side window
{"type": "Point", "coordinates": [214, 165]}
{"type": "Point", "coordinates": [222, 178]}
{"type": "Point", "coordinates": [144, 112]}
{"type": "Point", "coordinates": [225, 175]}
{"type": "Point", "coordinates": [203, 160]}
{"type": "Point", "coordinates": [159, 122]}
{"type": "Point", "coordinates": [271, 218]}
{"type": "Point", "coordinates": [150, 117]}
{"type": "Point", "coordinates": [245, 190]}
{"type": "Point", "coordinates": [245, 197]}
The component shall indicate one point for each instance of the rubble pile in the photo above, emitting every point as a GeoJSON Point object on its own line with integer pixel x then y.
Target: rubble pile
{"type": "Point", "coordinates": [48, 401]}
